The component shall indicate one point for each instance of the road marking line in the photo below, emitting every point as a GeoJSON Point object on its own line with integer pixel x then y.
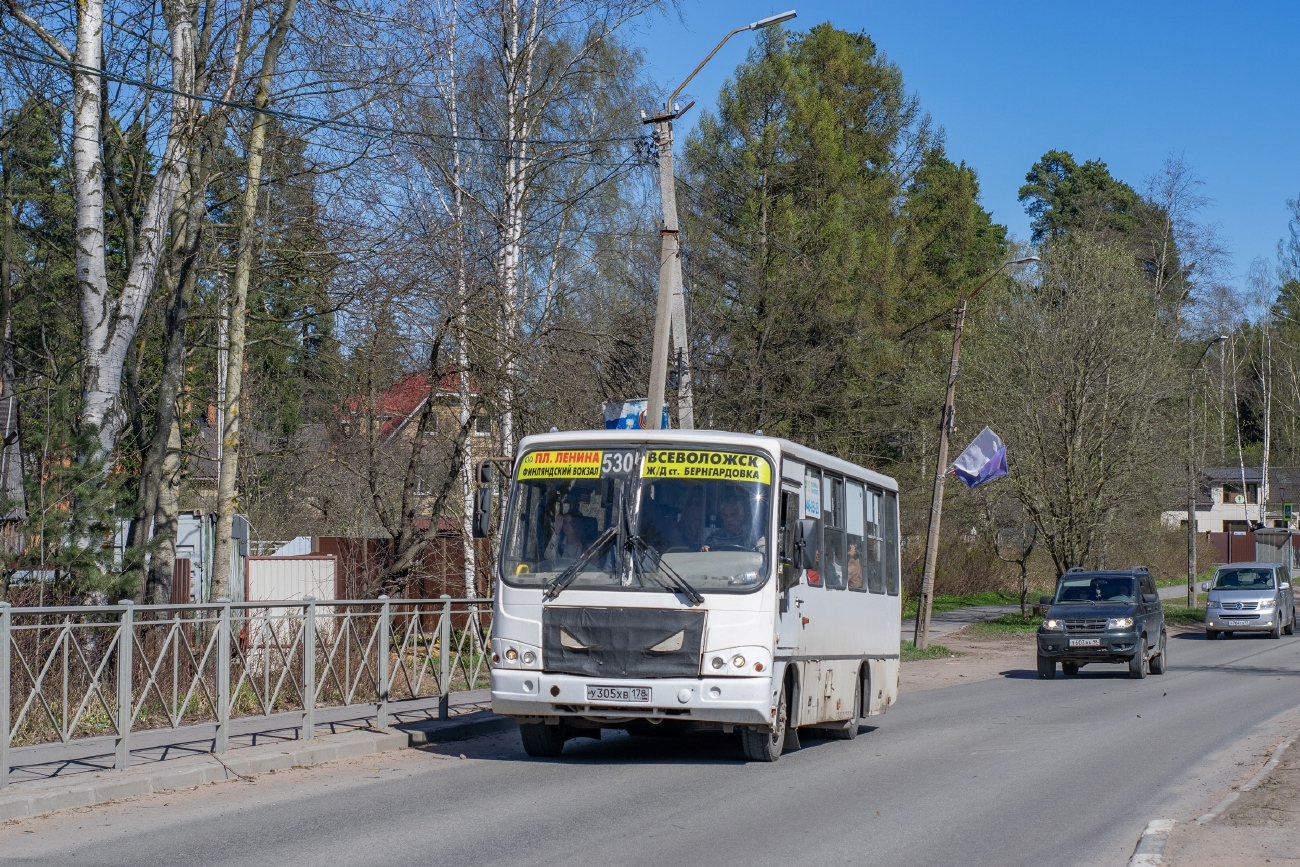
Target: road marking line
{"type": "Point", "coordinates": [1150, 849]}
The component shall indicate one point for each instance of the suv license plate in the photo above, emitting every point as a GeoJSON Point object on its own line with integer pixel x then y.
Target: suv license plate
{"type": "Point", "coordinates": [619, 693]}
{"type": "Point", "coordinates": [1085, 642]}
{"type": "Point", "coordinates": [1239, 623]}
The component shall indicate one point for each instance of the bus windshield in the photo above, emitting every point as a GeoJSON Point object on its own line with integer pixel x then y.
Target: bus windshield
{"type": "Point", "coordinates": [630, 518]}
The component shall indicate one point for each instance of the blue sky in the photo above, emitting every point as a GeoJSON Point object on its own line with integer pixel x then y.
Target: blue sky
{"type": "Point", "coordinates": [1124, 82]}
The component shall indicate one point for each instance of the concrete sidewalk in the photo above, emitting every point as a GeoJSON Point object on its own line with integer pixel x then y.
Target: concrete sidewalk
{"type": "Point", "coordinates": [97, 787]}
{"type": "Point", "coordinates": [52, 761]}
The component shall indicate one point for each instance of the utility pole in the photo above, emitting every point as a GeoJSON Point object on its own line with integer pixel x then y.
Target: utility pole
{"type": "Point", "coordinates": [1191, 476]}
{"type": "Point", "coordinates": [670, 309]}
{"type": "Point", "coordinates": [921, 636]}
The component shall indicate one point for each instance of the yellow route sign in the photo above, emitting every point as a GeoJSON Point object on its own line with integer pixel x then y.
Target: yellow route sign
{"type": "Point", "coordinates": [561, 464]}
{"type": "Point", "coordinates": [683, 464]}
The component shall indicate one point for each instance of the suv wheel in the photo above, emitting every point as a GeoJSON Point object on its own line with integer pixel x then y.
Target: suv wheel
{"type": "Point", "coordinates": [1137, 665]}
{"type": "Point", "coordinates": [1069, 669]}
{"type": "Point", "coordinates": [1158, 661]}
{"type": "Point", "coordinates": [1046, 667]}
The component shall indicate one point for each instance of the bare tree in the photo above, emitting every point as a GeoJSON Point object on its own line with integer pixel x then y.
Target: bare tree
{"type": "Point", "coordinates": [1089, 353]}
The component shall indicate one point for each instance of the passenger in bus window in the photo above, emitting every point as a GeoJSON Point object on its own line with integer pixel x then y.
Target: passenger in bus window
{"type": "Point", "coordinates": [855, 566]}
{"type": "Point", "coordinates": [735, 532]}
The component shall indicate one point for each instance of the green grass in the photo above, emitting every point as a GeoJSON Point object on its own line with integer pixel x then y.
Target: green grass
{"type": "Point", "coordinates": [1007, 624]}
{"type": "Point", "coordinates": [969, 600]}
{"type": "Point", "coordinates": [909, 653]}
{"type": "Point", "coordinates": [1178, 614]}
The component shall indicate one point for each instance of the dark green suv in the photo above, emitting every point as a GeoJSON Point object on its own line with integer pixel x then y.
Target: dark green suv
{"type": "Point", "coordinates": [1110, 617]}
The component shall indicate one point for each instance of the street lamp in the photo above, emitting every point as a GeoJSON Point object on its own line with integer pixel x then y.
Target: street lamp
{"type": "Point", "coordinates": [670, 310]}
{"type": "Point", "coordinates": [921, 636]}
{"type": "Point", "coordinates": [1191, 476]}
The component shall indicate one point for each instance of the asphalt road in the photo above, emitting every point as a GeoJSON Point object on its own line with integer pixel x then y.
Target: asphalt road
{"type": "Point", "coordinates": [1006, 771]}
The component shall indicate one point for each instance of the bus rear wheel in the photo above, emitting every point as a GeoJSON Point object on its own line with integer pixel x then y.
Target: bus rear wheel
{"type": "Point", "coordinates": [542, 741]}
{"type": "Point", "coordinates": [762, 745]}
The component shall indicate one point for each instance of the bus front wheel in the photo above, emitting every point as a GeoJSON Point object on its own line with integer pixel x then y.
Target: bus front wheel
{"type": "Point", "coordinates": [542, 741]}
{"type": "Point", "coordinates": [761, 745]}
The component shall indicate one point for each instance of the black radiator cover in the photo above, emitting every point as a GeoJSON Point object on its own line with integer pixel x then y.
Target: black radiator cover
{"type": "Point", "coordinates": [616, 642]}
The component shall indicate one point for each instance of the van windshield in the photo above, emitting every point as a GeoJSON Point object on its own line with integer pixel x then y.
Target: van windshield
{"type": "Point", "coordinates": [1096, 588]}
{"type": "Point", "coordinates": [627, 518]}
{"type": "Point", "coordinates": [1244, 579]}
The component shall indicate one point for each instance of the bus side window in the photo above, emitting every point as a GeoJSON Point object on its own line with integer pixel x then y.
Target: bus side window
{"type": "Point", "coordinates": [835, 571]}
{"type": "Point", "coordinates": [812, 508]}
{"type": "Point", "coordinates": [889, 519]}
{"type": "Point", "coordinates": [790, 512]}
{"type": "Point", "coordinates": [855, 530]}
{"type": "Point", "coordinates": [874, 561]}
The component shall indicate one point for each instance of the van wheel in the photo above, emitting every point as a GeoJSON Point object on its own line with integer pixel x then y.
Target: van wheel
{"type": "Point", "coordinates": [1137, 664]}
{"type": "Point", "coordinates": [1289, 629]}
{"type": "Point", "coordinates": [849, 730]}
{"type": "Point", "coordinates": [1211, 635]}
{"type": "Point", "coordinates": [1046, 667]}
{"type": "Point", "coordinates": [762, 745]}
{"type": "Point", "coordinates": [1276, 632]}
{"type": "Point", "coordinates": [1158, 661]}
{"type": "Point", "coordinates": [542, 741]}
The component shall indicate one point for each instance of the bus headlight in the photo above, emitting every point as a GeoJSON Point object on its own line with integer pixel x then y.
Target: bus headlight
{"type": "Point", "coordinates": [718, 662]}
{"type": "Point", "coordinates": [738, 661]}
{"type": "Point", "coordinates": [529, 657]}
{"type": "Point", "coordinates": [511, 654]}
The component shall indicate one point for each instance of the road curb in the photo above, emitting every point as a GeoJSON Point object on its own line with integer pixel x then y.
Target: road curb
{"type": "Point", "coordinates": [1254, 781]}
{"type": "Point", "coordinates": [21, 800]}
{"type": "Point", "coordinates": [1150, 849]}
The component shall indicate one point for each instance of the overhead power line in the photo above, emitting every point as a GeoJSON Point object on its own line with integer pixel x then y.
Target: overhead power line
{"type": "Point", "coordinates": [440, 140]}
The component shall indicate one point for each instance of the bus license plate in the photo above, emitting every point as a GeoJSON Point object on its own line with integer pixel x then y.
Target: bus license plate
{"type": "Point", "coordinates": [1085, 642]}
{"type": "Point", "coordinates": [1239, 623]}
{"type": "Point", "coordinates": [619, 693]}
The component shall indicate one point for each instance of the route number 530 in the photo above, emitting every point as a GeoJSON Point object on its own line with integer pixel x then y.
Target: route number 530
{"type": "Point", "coordinates": [617, 463]}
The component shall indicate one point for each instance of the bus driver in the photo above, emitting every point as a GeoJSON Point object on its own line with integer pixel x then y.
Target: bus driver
{"type": "Point", "coordinates": [736, 532]}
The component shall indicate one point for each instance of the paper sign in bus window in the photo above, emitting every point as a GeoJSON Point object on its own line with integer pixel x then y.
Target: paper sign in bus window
{"type": "Point", "coordinates": [812, 496]}
{"type": "Point", "coordinates": [561, 464]}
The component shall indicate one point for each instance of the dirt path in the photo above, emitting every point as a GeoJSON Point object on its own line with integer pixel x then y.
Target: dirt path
{"type": "Point", "coordinates": [980, 659]}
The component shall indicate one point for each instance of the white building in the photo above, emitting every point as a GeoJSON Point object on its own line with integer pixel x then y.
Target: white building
{"type": "Point", "coordinates": [1223, 505]}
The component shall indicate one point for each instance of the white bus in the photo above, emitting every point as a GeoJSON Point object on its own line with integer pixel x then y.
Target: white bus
{"type": "Point", "coordinates": [695, 579]}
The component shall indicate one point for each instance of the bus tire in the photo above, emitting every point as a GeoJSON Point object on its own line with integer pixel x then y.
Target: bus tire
{"type": "Point", "coordinates": [849, 730]}
{"type": "Point", "coordinates": [542, 741]}
{"type": "Point", "coordinates": [766, 745]}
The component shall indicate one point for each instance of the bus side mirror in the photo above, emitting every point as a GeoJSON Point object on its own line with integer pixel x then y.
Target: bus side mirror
{"type": "Point", "coordinates": [805, 544]}
{"type": "Point", "coordinates": [483, 502]}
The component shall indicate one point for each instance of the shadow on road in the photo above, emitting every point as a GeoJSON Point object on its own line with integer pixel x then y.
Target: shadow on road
{"type": "Point", "coordinates": [619, 748]}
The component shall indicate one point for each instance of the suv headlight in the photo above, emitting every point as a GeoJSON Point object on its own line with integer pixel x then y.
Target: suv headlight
{"type": "Point", "coordinates": [1119, 623]}
{"type": "Point", "coordinates": [1053, 624]}
{"type": "Point", "coordinates": [1268, 605]}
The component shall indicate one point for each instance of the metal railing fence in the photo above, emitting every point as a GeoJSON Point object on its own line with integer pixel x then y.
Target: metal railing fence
{"type": "Point", "coordinates": [94, 671]}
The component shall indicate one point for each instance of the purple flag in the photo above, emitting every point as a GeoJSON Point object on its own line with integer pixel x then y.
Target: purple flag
{"type": "Point", "coordinates": [984, 460]}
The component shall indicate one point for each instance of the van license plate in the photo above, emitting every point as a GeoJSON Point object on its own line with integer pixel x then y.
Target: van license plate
{"type": "Point", "coordinates": [1085, 642]}
{"type": "Point", "coordinates": [619, 693]}
{"type": "Point", "coordinates": [1239, 623]}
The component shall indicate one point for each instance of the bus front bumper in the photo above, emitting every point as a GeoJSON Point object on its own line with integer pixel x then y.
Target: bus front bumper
{"type": "Point", "coordinates": [727, 700]}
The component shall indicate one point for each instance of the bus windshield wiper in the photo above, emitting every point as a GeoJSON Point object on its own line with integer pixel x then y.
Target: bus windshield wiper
{"type": "Point", "coordinates": [670, 578]}
{"type": "Point", "coordinates": [565, 578]}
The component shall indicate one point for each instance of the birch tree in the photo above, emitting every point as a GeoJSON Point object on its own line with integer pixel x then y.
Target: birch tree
{"type": "Point", "coordinates": [110, 315]}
